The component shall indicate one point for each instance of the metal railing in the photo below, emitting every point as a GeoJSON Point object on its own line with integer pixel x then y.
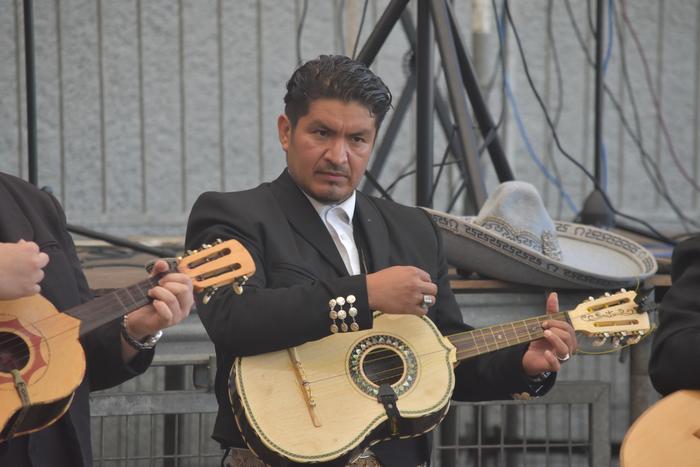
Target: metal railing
{"type": "Point", "coordinates": [141, 424]}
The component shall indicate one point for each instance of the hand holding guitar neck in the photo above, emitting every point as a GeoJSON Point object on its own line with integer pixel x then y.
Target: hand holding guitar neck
{"type": "Point", "coordinates": [172, 302]}
{"type": "Point", "coordinates": [404, 290]}
{"type": "Point", "coordinates": [21, 269]}
{"type": "Point", "coordinates": [557, 346]}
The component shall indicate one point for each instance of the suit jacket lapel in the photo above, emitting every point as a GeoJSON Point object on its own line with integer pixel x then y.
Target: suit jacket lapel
{"type": "Point", "coordinates": [305, 220]}
{"type": "Point", "coordinates": [375, 230]}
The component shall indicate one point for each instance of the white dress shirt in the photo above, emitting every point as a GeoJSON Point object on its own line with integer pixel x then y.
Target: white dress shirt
{"type": "Point", "coordinates": [338, 220]}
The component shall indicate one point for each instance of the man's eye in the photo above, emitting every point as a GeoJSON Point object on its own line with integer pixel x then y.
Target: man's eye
{"type": "Point", "coordinates": [322, 132]}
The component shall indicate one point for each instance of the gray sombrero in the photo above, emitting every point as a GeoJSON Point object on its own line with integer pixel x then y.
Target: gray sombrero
{"type": "Point", "coordinates": [513, 238]}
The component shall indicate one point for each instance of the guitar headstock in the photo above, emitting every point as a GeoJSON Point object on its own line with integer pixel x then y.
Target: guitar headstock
{"type": "Point", "coordinates": [218, 264]}
{"type": "Point", "coordinates": [615, 317]}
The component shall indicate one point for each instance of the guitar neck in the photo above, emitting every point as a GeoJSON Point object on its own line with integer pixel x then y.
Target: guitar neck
{"type": "Point", "coordinates": [484, 340]}
{"type": "Point", "coordinates": [113, 305]}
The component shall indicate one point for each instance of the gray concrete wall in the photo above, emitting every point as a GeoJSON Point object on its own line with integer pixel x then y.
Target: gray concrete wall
{"type": "Point", "coordinates": [142, 105]}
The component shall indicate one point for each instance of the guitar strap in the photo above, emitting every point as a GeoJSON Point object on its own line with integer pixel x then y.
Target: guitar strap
{"type": "Point", "coordinates": [387, 397]}
{"type": "Point", "coordinates": [21, 387]}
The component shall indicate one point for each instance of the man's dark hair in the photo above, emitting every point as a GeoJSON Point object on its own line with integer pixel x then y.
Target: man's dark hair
{"type": "Point", "coordinates": [335, 77]}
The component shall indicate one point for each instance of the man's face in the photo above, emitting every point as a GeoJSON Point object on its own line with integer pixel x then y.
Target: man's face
{"type": "Point", "coordinates": [328, 150]}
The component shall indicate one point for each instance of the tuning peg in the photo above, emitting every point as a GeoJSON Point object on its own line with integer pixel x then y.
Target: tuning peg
{"type": "Point", "coordinates": [219, 241]}
{"type": "Point", "coordinates": [205, 246]}
{"type": "Point", "coordinates": [615, 342]}
{"type": "Point", "coordinates": [209, 293]}
{"type": "Point", "coordinates": [631, 340]}
{"type": "Point", "coordinates": [623, 290]}
{"type": "Point", "coordinates": [607, 294]}
{"type": "Point", "coordinates": [591, 299]}
{"type": "Point", "coordinates": [599, 342]}
{"type": "Point", "coordinates": [179, 258]}
{"type": "Point", "coordinates": [238, 284]}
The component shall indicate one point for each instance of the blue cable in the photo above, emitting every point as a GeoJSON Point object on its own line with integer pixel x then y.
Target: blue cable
{"type": "Point", "coordinates": [523, 132]}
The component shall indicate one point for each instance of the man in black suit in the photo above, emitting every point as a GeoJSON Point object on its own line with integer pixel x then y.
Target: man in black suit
{"type": "Point", "coordinates": [315, 239]}
{"type": "Point", "coordinates": [675, 352]}
{"type": "Point", "coordinates": [37, 255]}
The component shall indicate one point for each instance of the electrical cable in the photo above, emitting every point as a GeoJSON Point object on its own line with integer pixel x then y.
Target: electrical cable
{"type": "Point", "coordinates": [340, 26]}
{"type": "Point", "coordinates": [560, 98]}
{"type": "Point", "coordinates": [657, 181]}
{"type": "Point", "coordinates": [300, 28]}
{"type": "Point", "coordinates": [442, 163]}
{"type": "Point", "coordinates": [359, 29]}
{"type": "Point", "coordinates": [521, 126]}
{"type": "Point", "coordinates": [658, 234]}
{"type": "Point", "coordinates": [655, 99]}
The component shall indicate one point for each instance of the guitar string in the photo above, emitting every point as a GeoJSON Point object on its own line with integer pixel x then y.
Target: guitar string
{"type": "Point", "coordinates": [110, 307]}
{"type": "Point", "coordinates": [480, 341]}
{"type": "Point", "coordinates": [218, 252]}
{"type": "Point", "coordinates": [524, 325]}
{"type": "Point", "coordinates": [519, 338]}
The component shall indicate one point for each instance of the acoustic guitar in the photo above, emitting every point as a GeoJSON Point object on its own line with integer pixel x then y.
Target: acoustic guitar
{"type": "Point", "coordinates": [41, 359]}
{"type": "Point", "coordinates": [325, 401]}
{"type": "Point", "coordinates": [666, 434]}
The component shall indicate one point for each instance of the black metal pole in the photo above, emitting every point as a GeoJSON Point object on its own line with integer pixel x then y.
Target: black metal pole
{"type": "Point", "coordinates": [85, 232]}
{"type": "Point", "coordinates": [458, 99]}
{"type": "Point", "coordinates": [392, 129]}
{"type": "Point", "coordinates": [481, 111]}
{"type": "Point", "coordinates": [381, 31]}
{"type": "Point", "coordinates": [596, 210]}
{"type": "Point", "coordinates": [441, 109]}
{"type": "Point", "coordinates": [598, 129]}
{"type": "Point", "coordinates": [425, 105]}
{"type": "Point", "coordinates": [31, 90]}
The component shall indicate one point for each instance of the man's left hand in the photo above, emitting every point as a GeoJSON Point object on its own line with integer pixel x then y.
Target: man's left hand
{"type": "Point", "coordinates": [172, 302]}
{"type": "Point", "coordinates": [558, 345]}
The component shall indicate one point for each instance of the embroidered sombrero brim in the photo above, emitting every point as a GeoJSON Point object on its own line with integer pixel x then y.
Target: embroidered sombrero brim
{"type": "Point", "coordinates": [592, 258]}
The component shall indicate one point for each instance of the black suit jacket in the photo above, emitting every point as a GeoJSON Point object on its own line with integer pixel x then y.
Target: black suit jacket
{"type": "Point", "coordinates": [298, 269]}
{"type": "Point", "coordinates": [675, 353]}
{"type": "Point", "coordinates": [33, 215]}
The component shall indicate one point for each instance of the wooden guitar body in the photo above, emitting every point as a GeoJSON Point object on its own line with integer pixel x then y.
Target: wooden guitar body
{"type": "Point", "coordinates": [51, 371]}
{"type": "Point", "coordinates": [666, 434]}
{"type": "Point", "coordinates": [318, 404]}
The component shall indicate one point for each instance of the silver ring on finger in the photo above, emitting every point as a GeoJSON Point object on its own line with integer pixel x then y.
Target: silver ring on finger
{"type": "Point", "coordinates": [564, 358]}
{"type": "Point", "coordinates": [428, 300]}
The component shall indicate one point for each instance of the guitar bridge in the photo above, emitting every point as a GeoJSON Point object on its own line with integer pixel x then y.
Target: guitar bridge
{"type": "Point", "coordinates": [305, 386]}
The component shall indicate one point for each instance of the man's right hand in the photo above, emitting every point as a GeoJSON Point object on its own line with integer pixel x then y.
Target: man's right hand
{"type": "Point", "coordinates": [21, 269]}
{"type": "Point", "coordinates": [400, 290]}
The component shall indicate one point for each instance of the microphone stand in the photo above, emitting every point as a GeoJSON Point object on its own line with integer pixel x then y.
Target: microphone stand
{"type": "Point", "coordinates": [596, 211]}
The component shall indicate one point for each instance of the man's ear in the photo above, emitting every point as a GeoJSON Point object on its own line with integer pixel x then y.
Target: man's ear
{"type": "Point", "coordinates": [284, 131]}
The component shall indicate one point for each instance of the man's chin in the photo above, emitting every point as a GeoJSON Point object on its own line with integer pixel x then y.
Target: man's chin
{"type": "Point", "coordinates": [327, 196]}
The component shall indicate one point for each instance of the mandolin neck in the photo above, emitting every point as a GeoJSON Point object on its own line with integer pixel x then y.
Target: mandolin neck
{"type": "Point", "coordinates": [113, 305]}
{"type": "Point", "coordinates": [484, 340]}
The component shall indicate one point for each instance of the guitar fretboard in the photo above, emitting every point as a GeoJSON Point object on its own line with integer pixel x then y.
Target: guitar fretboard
{"type": "Point", "coordinates": [484, 340]}
{"type": "Point", "coordinates": [111, 306]}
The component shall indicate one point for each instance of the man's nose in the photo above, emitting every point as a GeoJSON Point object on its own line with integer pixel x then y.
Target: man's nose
{"type": "Point", "coordinates": [338, 152]}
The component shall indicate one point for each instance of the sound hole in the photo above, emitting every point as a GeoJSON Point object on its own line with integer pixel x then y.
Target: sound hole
{"type": "Point", "coordinates": [382, 365]}
{"type": "Point", "coordinates": [14, 353]}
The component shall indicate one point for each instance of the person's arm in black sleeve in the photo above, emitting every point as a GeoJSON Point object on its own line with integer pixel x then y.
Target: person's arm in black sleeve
{"type": "Point", "coordinates": [105, 366]}
{"type": "Point", "coordinates": [264, 319]}
{"type": "Point", "coordinates": [676, 348]}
